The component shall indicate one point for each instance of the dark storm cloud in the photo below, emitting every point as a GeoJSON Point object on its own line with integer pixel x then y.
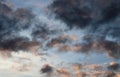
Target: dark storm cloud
{"type": "Point", "coordinates": [101, 17]}
{"type": "Point", "coordinates": [74, 12]}
{"type": "Point", "coordinates": [85, 12]}
{"type": "Point", "coordinates": [11, 22]}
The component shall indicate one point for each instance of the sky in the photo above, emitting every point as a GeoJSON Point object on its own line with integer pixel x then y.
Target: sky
{"type": "Point", "coordinates": [79, 46]}
{"type": "Point", "coordinates": [37, 5]}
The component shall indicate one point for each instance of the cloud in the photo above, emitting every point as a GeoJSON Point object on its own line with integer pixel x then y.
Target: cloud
{"type": "Point", "coordinates": [82, 13]}
{"type": "Point", "coordinates": [11, 23]}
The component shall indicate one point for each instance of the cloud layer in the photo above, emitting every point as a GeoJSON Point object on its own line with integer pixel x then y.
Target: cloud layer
{"type": "Point", "coordinates": [85, 12]}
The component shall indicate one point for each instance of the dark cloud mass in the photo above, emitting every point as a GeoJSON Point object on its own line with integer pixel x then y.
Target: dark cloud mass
{"type": "Point", "coordinates": [11, 22]}
{"type": "Point", "coordinates": [101, 19]}
{"type": "Point", "coordinates": [13, 25]}
{"type": "Point", "coordinates": [101, 15]}
{"type": "Point", "coordinates": [85, 12]}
